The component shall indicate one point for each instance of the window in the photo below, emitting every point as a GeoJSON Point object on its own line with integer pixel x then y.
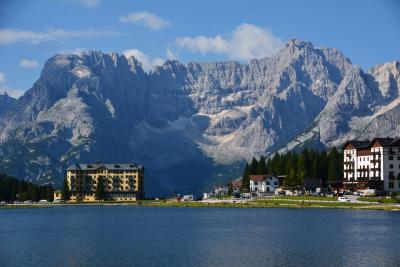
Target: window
{"type": "Point", "coordinates": [391, 184]}
{"type": "Point", "coordinates": [267, 183]}
{"type": "Point", "coordinates": [276, 183]}
{"type": "Point", "coordinates": [390, 157]}
{"type": "Point", "coordinates": [391, 166]}
{"type": "Point", "coordinates": [391, 175]}
{"type": "Point", "coordinates": [255, 183]}
{"type": "Point", "coordinates": [398, 157]}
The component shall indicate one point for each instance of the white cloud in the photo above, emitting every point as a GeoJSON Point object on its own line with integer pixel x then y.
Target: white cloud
{"type": "Point", "coordinates": [4, 89]}
{"type": "Point", "coordinates": [147, 62]}
{"type": "Point", "coordinates": [146, 19]}
{"type": "Point", "coordinates": [89, 3]}
{"type": "Point", "coordinates": [171, 55]}
{"type": "Point", "coordinates": [2, 77]}
{"type": "Point", "coordinates": [246, 42]}
{"type": "Point", "coordinates": [15, 93]}
{"type": "Point", "coordinates": [8, 35]}
{"type": "Point", "coordinates": [86, 3]}
{"type": "Point", "coordinates": [30, 64]}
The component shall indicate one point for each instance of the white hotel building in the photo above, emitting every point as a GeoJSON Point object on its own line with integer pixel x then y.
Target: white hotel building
{"type": "Point", "coordinates": [263, 183]}
{"type": "Point", "coordinates": [372, 164]}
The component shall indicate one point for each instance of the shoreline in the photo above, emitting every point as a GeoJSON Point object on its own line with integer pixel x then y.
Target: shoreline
{"type": "Point", "coordinates": [264, 203]}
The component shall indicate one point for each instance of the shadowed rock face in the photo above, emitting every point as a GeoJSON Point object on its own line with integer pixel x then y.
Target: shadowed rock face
{"type": "Point", "coordinates": [192, 124]}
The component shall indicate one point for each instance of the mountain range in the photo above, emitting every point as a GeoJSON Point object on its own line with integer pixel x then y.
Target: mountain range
{"type": "Point", "coordinates": [192, 124]}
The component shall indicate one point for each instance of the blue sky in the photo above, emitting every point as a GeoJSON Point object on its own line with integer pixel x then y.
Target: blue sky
{"type": "Point", "coordinates": [368, 32]}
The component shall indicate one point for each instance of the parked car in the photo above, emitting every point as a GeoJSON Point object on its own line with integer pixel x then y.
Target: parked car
{"type": "Point", "coordinates": [3, 203]}
{"type": "Point", "coordinates": [343, 199]}
{"type": "Point", "coordinates": [43, 201]}
{"type": "Point", "coordinates": [58, 201]}
{"type": "Point", "coordinates": [28, 202]}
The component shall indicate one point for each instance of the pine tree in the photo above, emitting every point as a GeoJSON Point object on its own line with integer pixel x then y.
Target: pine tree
{"type": "Point", "coordinates": [65, 193]}
{"type": "Point", "coordinates": [301, 167]}
{"type": "Point", "coordinates": [333, 165]}
{"type": "Point", "coordinates": [253, 166]}
{"type": "Point", "coordinates": [290, 180]}
{"type": "Point", "coordinates": [49, 193]}
{"type": "Point", "coordinates": [230, 188]}
{"type": "Point", "coordinates": [261, 167]}
{"type": "Point", "coordinates": [246, 177]}
{"type": "Point", "coordinates": [34, 193]}
{"type": "Point", "coordinates": [100, 192]}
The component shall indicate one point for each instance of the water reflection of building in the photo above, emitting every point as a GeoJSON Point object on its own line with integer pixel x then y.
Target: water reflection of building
{"type": "Point", "coordinates": [122, 182]}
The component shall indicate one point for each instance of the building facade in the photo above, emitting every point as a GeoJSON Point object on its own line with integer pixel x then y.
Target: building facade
{"type": "Point", "coordinates": [263, 183]}
{"type": "Point", "coordinates": [372, 164]}
{"type": "Point", "coordinates": [122, 182]}
{"type": "Point", "coordinates": [237, 185]}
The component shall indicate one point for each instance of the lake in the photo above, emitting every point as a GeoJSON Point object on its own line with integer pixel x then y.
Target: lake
{"type": "Point", "coordinates": [151, 236]}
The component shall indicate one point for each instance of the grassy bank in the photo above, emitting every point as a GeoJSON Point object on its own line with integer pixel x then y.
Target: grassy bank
{"type": "Point", "coordinates": [314, 198]}
{"type": "Point", "coordinates": [292, 203]}
{"type": "Point", "coordinates": [271, 203]}
{"type": "Point", "coordinates": [379, 200]}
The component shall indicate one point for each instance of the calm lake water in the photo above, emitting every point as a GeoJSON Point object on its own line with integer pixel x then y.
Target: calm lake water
{"type": "Point", "coordinates": [150, 236]}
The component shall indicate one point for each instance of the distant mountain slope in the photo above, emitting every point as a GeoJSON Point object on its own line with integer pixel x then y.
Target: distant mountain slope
{"type": "Point", "coordinates": [192, 124]}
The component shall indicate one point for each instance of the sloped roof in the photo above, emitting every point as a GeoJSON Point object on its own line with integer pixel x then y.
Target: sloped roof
{"type": "Point", "coordinates": [237, 183]}
{"type": "Point", "coordinates": [384, 142]}
{"type": "Point", "coordinates": [107, 166]}
{"type": "Point", "coordinates": [357, 144]}
{"type": "Point", "coordinates": [258, 178]}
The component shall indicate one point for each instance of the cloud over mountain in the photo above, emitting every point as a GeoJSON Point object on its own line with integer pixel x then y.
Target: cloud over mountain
{"type": "Point", "coordinates": [146, 19]}
{"type": "Point", "coordinates": [246, 42]}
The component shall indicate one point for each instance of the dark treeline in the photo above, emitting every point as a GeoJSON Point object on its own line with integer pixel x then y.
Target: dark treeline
{"type": "Point", "coordinates": [327, 166]}
{"type": "Point", "coordinates": [12, 189]}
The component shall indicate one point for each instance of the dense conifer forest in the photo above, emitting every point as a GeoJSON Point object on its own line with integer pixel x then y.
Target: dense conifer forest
{"type": "Point", "coordinates": [12, 189]}
{"type": "Point", "coordinates": [327, 166]}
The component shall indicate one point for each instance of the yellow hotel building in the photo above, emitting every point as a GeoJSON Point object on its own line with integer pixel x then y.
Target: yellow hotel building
{"type": "Point", "coordinates": [122, 182]}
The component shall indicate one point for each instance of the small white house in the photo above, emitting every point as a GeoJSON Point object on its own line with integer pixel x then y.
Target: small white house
{"type": "Point", "coordinates": [237, 185]}
{"type": "Point", "coordinates": [188, 198]}
{"type": "Point", "coordinates": [220, 190]}
{"type": "Point", "coordinates": [207, 195]}
{"type": "Point", "coordinates": [263, 183]}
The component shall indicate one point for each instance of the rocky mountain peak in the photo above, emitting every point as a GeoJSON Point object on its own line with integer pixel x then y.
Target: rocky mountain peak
{"type": "Point", "coordinates": [198, 118]}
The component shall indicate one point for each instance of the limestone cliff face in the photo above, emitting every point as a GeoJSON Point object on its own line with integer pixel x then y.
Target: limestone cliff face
{"type": "Point", "coordinates": [192, 124]}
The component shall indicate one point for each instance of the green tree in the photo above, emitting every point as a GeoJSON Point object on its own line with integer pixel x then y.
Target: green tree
{"type": "Point", "coordinates": [65, 193]}
{"type": "Point", "coordinates": [334, 173]}
{"type": "Point", "coordinates": [100, 192]}
{"type": "Point", "coordinates": [246, 177]}
{"type": "Point", "coordinates": [49, 193]}
{"type": "Point", "coordinates": [230, 188]}
{"type": "Point", "coordinates": [290, 180]}
{"type": "Point", "coordinates": [253, 166]}
{"type": "Point", "coordinates": [261, 167]}
{"type": "Point", "coordinates": [302, 167]}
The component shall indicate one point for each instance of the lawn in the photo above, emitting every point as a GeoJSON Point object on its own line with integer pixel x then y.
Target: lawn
{"type": "Point", "coordinates": [272, 203]}
{"type": "Point", "coordinates": [317, 198]}
{"type": "Point", "coordinates": [379, 200]}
